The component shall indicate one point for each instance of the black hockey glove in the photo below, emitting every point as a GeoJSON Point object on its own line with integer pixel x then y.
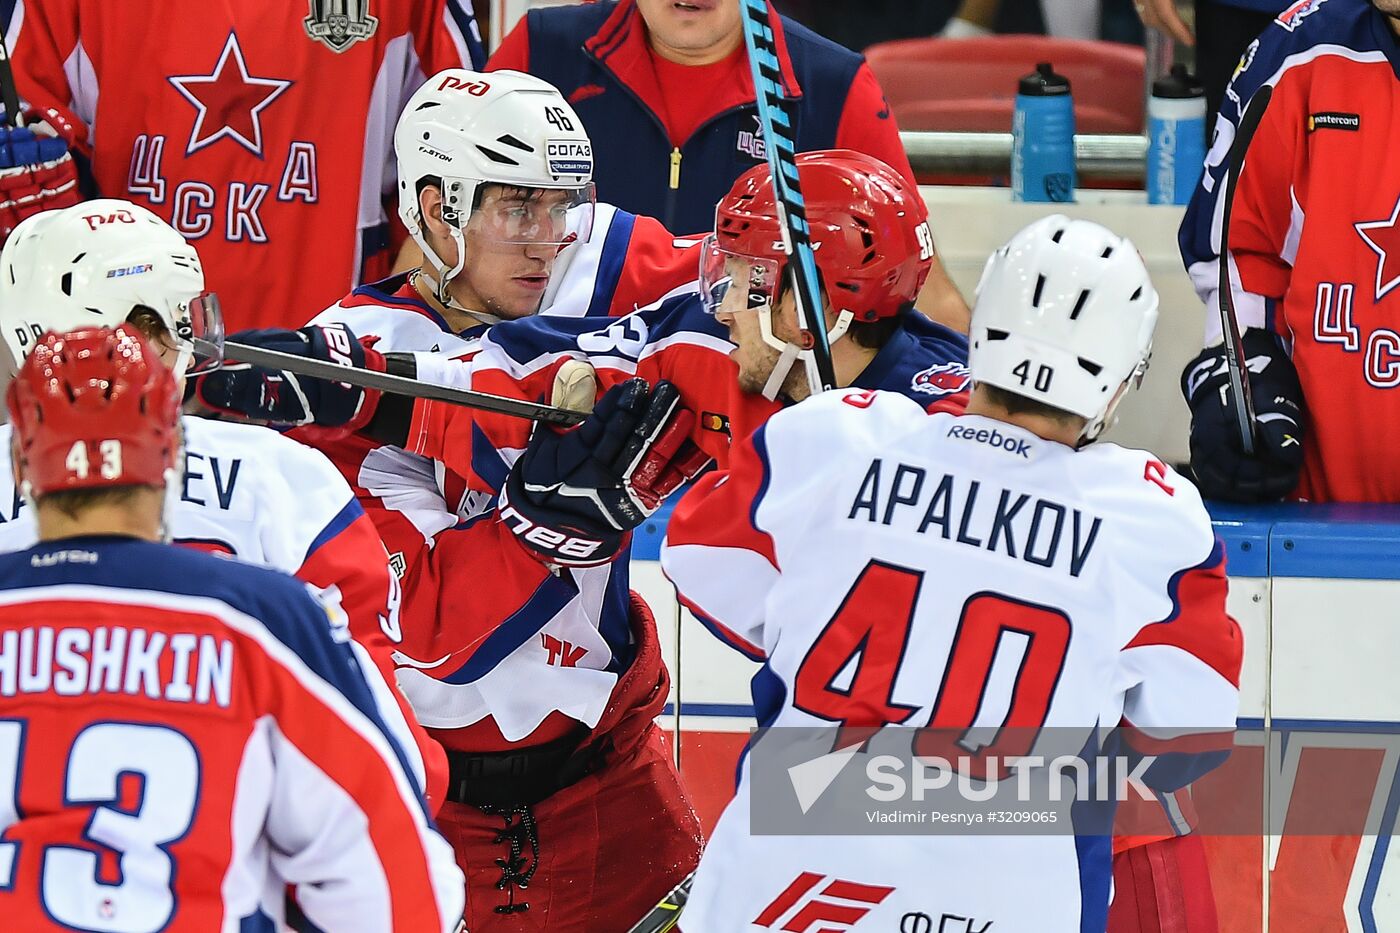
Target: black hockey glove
{"type": "Point", "coordinates": [573, 497]}
{"type": "Point", "coordinates": [1222, 470]}
{"type": "Point", "coordinates": [280, 397]}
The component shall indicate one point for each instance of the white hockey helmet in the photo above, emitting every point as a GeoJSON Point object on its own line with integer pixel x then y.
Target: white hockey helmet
{"type": "Point", "coordinates": [463, 129]}
{"type": "Point", "coordinates": [1064, 315]}
{"type": "Point", "coordinates": [93, 264]}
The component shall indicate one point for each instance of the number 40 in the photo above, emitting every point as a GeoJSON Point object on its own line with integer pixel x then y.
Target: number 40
{"type": "Point", "coordinates": [1043, 375]}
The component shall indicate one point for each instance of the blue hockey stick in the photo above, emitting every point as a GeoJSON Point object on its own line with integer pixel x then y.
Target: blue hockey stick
{"type": "Point", "coordinates": [776, 123]}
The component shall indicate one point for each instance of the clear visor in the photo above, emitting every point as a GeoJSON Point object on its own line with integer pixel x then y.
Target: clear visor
{"type": "Point", "coordinates": [730, 282]}
{"type": "Point", "coordinates": [201, 326]}
{"type": "Point", "coordinates": [533, 216]}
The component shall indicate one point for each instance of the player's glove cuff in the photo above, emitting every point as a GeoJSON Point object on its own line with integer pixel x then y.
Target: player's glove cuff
{"type": "Point", "coordinates": [1217, 458]}
{"type": "Point", "coordinates": [282, 397]}
{"type": "Point", "coordinates": [592, 484]}
{"type": "Point", "coordinates": [553, 536]}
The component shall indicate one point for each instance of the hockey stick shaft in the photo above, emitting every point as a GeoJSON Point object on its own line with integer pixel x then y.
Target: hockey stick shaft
{"type": "Point", "coordinates": [665, 915]}
{"type": "Point", "coordinates": [399, 385]}
{"type": "Point", "coordinates": [776, 123]}
{"type": "Point", "coordinates": [1233, 341]}
{"type": "Point", "coordinates": [9, 93]}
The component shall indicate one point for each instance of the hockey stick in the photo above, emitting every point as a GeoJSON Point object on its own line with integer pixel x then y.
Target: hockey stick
{"type": "Point", "coordinates": [775, 122]}
{"type": "Point", "coordinates": [397, 385]}
{"type": "Point", "coordinates": [1229, 324]}
{"type": "Point", "coordinates": [9, 94]}
{"type": "Point", "coordinates": [665, 915]}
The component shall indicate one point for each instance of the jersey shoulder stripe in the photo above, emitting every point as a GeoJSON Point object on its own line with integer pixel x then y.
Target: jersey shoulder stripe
{"type": "Point", "coordinates": [1304, 34]}
{"type": "Point", "coordinates": [611, 262]}
{"type": "Point", "coordinates": [343, 520]}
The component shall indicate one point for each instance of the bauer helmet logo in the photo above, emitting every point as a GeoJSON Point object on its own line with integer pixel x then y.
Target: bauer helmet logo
{"type": "Point", "coordinates": [339, 24]}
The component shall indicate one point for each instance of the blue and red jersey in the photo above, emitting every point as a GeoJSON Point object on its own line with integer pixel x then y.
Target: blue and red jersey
{"type": "Point", "coordinates": [182, 735]}
{"type": "Point", "coordinates": [1314, 240]}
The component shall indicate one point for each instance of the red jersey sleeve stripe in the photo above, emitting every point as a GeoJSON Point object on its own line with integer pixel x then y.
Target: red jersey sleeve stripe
{"type": "Point", "coordinates": [1198, 623]}
{"type": "Point", "coordinates": [721, 509]}
{"type": "Point", "coordinates": [741, 645]}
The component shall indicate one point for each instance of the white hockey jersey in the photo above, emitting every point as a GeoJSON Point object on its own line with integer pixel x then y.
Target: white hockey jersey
{"type": "Point", "coordinates": [890, 566]}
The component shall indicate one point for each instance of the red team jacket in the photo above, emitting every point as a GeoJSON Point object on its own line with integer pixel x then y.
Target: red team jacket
{"type": "Point", "coordinates": [164, 714]}
{"type": "Point", "coordinates": [258, 128]}
{"type": "Point", "coordinates": [1315, 232]}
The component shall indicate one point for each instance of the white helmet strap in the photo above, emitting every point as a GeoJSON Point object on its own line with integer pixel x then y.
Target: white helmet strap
{"type": "Point", "coordinates": [442, 275]}
{"type": "Point", "coordinates": [790, 352]}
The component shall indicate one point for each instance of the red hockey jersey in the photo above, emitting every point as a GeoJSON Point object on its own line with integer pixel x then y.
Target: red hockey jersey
{"type": "Point", "coordinates": [440, 528]}
{"type": "Point", "coordinates": [1315, 232]}
{"type": "Point", "coordinates": [261, 129]}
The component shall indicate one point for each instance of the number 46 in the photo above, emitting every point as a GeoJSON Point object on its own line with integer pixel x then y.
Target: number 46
{"type": "Point", "coordinates": [557, 117]}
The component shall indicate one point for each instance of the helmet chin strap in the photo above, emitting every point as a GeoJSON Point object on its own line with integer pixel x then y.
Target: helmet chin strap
{"type": "Point", "coordinates": [184, 355]}
{"type": "Point", "coordinates": [170, 501]}
{"type": "Point", "coordinates": [1095, 428]}
{"type": "Point", "coordinates": [441, 277]}
{"type": "Point", "coordinates": [790, 352]}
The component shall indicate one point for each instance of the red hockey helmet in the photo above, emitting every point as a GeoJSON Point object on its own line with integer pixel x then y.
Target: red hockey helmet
{"type": "Point", "coordinates": [94, 408]}
{"type": "Point", "coordinates": [870, 233]}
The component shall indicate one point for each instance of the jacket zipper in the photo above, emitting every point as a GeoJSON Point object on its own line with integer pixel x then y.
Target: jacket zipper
{"type": "Point", "coordinates": [668, 219]}
{"type": "Point", "coordinates": [674, 188]}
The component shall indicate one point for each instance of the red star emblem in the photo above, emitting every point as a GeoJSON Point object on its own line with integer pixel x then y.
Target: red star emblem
{"type": "Point", "coordinates": [229, 101]}
{"type": "Point", "coordinates": [1383, 236]}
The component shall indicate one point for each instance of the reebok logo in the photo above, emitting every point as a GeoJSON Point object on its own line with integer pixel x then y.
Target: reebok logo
{"type": "Point", "coordinates": [821, 904]}
{"type": "Point", "coordinates": [993, 438]}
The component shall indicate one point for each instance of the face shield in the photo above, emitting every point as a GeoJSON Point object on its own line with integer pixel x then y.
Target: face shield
{"type": "Point", "coordinates": [200, 334]}
{"type": "Point", "coordinates": [508, 217]}
{"type": "Point", "coordinates": [732, 283]}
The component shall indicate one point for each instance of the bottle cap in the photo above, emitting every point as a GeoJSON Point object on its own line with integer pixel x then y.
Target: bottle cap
{"type": "Point", "coordinates": [1043, 82]}
{"type": "Point", "coordinates": [1179, 84]}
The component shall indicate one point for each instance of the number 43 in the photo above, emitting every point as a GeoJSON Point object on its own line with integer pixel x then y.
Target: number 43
{"type": "Point", "coordinates": [72, 892]}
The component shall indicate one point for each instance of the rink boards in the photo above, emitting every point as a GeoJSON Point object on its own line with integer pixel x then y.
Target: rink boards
{"type": "Point", "coordinates": [1316, 591]}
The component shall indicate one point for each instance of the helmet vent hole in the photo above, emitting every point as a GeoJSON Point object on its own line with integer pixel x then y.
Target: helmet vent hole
{"type": "Point", "coordinates": [1055, 237]}
{"type": "Point", "coordinates": [66, 283]}
{"type": "Point", "coordinates": [847, 286]}
{"type": "Point", "coordinates": [1090, 367]}
{"type": "Point", "coordinates": [994, 334]}
{"type": "Point", "coordinates": [509, 140]}
{"type": "Point", "coordinates": [495, 156]}
{"type": "Point", "coordinates": [426, 104]}
{"type": "Point", "coordinates": [1079, 304]}
{"type": "Point", "coordinates": [1107, 251]}
{"type": "Point", "coordinates": [1039, 287]}
{"type": "Point", "coordinates": [1136, 294]}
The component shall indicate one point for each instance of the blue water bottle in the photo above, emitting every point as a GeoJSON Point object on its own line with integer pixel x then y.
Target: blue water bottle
{"type": "Point", "coordinates": [1176, 131]}
{"type": "Point", "coordinates": [1042, 132]}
